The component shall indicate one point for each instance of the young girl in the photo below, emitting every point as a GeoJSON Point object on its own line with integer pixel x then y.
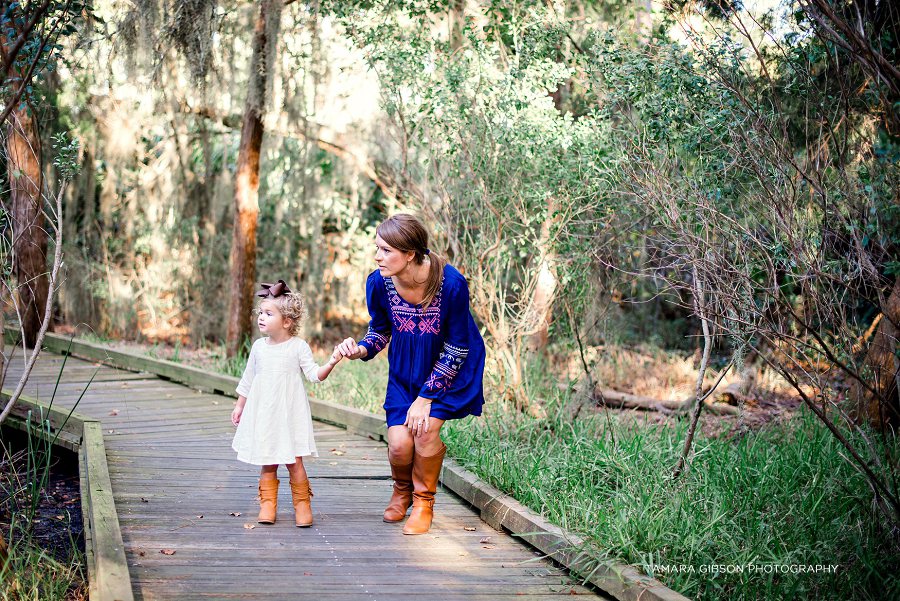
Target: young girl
{"type": "Point", "coordinates": [275, 426]}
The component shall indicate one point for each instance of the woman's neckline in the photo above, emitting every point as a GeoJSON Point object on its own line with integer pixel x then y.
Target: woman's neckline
{"type": "Point", "coordinates": [400, 296]}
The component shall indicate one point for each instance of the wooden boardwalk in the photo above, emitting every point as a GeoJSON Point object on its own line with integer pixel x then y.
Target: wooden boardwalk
{"type": "Point", "coordinates": [178, 488]}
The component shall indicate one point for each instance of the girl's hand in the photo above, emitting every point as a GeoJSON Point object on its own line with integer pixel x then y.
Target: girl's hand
{"type": "Point", "coordinates": [350, 349]}
{"type": "Point", "coordinates": [336, 356]}
{"type": "Point", "coordinates": [236, 414]}
{"type": "Point", "coordinates": [417, 416]}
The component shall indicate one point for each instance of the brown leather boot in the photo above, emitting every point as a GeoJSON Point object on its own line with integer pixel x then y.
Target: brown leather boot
{"type": "Point", "coordinates": [402, 495]}
{"type": "Point", "coordinates": [268, 501]}
{"type": "Point", "coordinates": [425, 474]}
{"type": "Point", "coordinates": [300, 494]}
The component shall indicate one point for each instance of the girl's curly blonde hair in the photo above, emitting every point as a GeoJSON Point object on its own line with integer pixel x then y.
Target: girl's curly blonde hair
{"type": "Point", "coordinates": [291, 306]}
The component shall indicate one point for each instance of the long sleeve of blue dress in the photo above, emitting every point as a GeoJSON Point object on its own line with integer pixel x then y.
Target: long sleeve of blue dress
{"type": "Point", "coordinates": [379, 333]}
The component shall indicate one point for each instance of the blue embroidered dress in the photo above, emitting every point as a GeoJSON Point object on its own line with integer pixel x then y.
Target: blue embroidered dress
{"type": "Point", "coordinates": [436, 352]}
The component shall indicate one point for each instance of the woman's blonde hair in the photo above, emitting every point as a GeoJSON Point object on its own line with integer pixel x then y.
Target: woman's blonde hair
{"type": "Point", "coordinates": [291, 306]}
{"type": "Point", "coordinates": [407, 234]}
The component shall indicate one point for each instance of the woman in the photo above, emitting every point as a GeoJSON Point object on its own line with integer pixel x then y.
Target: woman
{"type": "Point", "coordinates": [436, 360]}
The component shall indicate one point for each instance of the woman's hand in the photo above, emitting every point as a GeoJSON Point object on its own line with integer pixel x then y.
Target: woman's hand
{"type": "Point", "coordinates": [348, 348]}
{"type": "Point", "coordinates": [417, 416]}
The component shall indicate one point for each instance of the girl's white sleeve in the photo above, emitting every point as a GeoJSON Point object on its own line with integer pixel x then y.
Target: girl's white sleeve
{"type": "Point", "coordinates": [307, 363]}
{"type": "Point", "coordinates": [243, 387]}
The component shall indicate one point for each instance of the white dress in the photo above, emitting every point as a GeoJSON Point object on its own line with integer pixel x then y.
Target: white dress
{"type": "Point", "coordinates": [276, 425]}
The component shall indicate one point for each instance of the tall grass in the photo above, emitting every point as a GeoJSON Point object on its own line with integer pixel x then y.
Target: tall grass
{"type": "Point", "coordinates": [782, 495]}
{"type": "Point", "coordinates": [356, 383]}
{"type": "Point", "coordinates": [29, 571]}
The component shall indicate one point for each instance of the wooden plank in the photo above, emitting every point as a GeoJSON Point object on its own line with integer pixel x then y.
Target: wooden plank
{"type": "Point", "coordinates": [62, 439]}
{"type": "Point", "coordinates": [355, 420]}
{"type": "Point", "coordinates": [84, 489]}
{"type": "Point", "coordinates": [110, 566]}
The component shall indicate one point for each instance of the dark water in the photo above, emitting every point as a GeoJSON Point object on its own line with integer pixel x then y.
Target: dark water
{"type": "Point", "coordinates": [57, 525]}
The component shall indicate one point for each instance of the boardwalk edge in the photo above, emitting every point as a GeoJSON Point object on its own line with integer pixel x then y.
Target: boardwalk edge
{"type": "Point", "coordinates": [108, 575]}
{"type": "Point", "coordinates": [500, 511]}
{"type": "Point", "coordinates": [355, 420]}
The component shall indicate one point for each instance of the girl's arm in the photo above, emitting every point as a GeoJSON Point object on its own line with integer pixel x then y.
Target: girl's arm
{"type": "Point", "coordinates": [311, 370]}
{"type": "Point", "coordinates": [336, 357]}
{"type": "Point", "coordinates": [238, 409]}
{"type": "Point", "coordinates": [243, 387]}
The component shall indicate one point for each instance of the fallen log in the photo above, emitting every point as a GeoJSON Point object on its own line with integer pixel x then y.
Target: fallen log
{"type": "Point", "coordinates": [623, 400]}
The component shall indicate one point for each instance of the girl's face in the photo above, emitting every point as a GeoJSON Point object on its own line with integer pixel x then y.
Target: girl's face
{"type": "Point", "coordinates": [270, 320]}
{"type": "Point", "coordinates": [390, 261]}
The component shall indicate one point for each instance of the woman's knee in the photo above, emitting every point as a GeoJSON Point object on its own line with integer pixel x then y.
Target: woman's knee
{"type": "Point", "coordinates": [400, 445]}
{"type": "Point", "coordinates": [428, 440]}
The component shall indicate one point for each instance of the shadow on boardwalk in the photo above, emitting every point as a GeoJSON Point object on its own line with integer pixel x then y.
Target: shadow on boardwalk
{"type": "Point", "coordinates": [178, 488]}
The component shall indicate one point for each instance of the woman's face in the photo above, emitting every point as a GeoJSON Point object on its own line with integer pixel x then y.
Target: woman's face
{"type": "Point", "coordinates": [390, 261]}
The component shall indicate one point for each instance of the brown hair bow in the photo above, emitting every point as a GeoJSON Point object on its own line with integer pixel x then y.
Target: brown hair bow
{"type": "Point", "coordinates": [273, 290]}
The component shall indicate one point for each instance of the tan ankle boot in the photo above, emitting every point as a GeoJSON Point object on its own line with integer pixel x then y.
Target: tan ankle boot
{"type": "Point", "coordinates": [402, 495]}
{"type": "Point", "coordinates": [268, 501]}
{"type": "Point", "coordinates": [425, 474]}
{"type": "Point", "coordinates": [300, 495]}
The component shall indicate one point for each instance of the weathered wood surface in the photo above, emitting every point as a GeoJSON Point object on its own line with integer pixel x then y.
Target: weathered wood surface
{"type": "Point", "coordinates": [170, 462]}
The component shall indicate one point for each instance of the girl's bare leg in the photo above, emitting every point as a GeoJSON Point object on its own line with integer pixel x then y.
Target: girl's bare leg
{"type": "Point", "coordinates": [296, 470]}
{"type": "Point", "coordinates": [268, 472]}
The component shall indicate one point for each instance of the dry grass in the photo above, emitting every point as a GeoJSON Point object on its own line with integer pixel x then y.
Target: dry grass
{"type": "Point", "coordinates": [652, 372]}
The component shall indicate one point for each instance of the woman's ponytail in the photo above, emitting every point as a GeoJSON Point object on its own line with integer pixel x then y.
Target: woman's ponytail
{"type": "Point", "coordinates": [435, 275]}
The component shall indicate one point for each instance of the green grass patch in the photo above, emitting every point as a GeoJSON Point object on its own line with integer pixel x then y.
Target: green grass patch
{"type": "Point", "coordinates": [782, 496]}
{"type": "Point", "coordinates": [355, 383]}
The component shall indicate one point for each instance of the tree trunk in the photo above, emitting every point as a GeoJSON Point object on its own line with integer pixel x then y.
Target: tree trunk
{"type": "Point", "coordinates": [29, 257]}
{"type": "Point", "coordinates": [541, 304]}
{"type": "Point", "coordinates": [881, 407]}
{"type": "Point", "coordinates": [246, 188]}
{"type": "Point", "coordinates": [700, 308]}
{"type": "Point", "coordinates": [457, 22]}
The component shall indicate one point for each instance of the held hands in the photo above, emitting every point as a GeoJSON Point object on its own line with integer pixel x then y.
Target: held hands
{"type": "Point", "coordinates": [336, 356]}
{"type": "Point", "coordinates": [417, 416]}
{"type": "Point", "coordinates": [348, 348]}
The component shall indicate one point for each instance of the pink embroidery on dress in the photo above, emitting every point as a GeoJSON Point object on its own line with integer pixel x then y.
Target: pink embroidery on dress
{"type": "Point", "coordinates": [408, 318]}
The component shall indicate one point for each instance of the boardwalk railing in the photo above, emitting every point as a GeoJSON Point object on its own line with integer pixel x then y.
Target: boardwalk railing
{"type": "Point", "coordinates": [108, 578]}
{"type": "Point", "coordinates": [622, 581]}
{"type": "Point", "coordinates": [356, 421]}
